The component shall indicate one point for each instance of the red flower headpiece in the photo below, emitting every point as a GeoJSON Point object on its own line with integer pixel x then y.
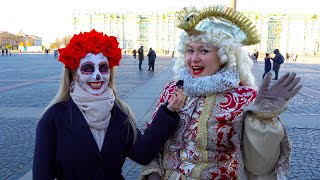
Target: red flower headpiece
{"type": "Point", "coordinates": [90, 42]}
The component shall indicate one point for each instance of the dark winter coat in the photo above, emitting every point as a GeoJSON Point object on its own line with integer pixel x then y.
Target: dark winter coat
{"type": "Point", "coordinates": [140, 52]}
{"type": "Point", "coordinates": [152, 56]}
{"type": "Point", "coordinates": [276, 65]}
{"type": "Point", "coordinates": [65, 147]}
{"type": "Point", "coordinates": [267, 64]}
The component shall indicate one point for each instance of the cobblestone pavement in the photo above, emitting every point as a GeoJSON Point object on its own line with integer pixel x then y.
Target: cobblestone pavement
{"type": "Point", "coordinates": [29, 82]}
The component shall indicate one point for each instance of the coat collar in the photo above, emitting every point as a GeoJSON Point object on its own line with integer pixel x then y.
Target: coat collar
{"type": "Point", "coordinates": [82, 130]}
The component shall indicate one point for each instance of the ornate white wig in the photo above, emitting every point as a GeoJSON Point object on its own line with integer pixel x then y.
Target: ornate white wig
{"type": "Point", "coordinates": [227, 37]}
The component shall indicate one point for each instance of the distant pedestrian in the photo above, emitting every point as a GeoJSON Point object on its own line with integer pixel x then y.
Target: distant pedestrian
{"type": "Point", "coordinates": [2, 52]}
{"type": "Point", "coordinates": [134, 52]}
{"type": "Point", "coordinates": [55, 52]}
{"type": "Point", "coordinates": [255, 56]}
{"type": "Point", "coordinates": [152, 58]}
{"type": "Point", "coordinates": [294, 57]}
{"type": "Point", "coordinates": [267, 64]}
{"type": "Point", "coordinates": [141, 57]}
{"type": "Point", "coordinates": [172, 54]}
{"type": "Point", "coordinates": [9, 52]}
{"type": "Point", "coordinates": [277, 61]}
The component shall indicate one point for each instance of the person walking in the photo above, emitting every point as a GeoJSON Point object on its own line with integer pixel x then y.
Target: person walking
{"type": "Point", "coordinates": [134, 53]}
{"type": "Point", "coordinates": [277, 61]}
{"type": "Point", "coordinates": [151, 58]}
{"type": "Point", "coordinates": [141, 57]}
{"type": "Point", "coordinates": [267, 65]}
{"type": "Point", "coordinates": [228, 128]}
{"type": "Point", "coordinates": [87, 132]}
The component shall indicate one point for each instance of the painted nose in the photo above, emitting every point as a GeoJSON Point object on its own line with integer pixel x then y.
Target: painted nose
{"type": "Point", "coordinates": [98, 77]}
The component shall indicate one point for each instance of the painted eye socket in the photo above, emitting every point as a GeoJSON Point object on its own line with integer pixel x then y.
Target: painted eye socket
{"type": "Point", "coordinates": [104, 68]}
{"type": "Point", "coordinates": [87, 68]}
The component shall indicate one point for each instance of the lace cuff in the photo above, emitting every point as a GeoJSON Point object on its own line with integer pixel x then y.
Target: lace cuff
{"type": "Point", "coordinates": [153, 167]}
{"type": "Point", "coordinates": [268, 108]}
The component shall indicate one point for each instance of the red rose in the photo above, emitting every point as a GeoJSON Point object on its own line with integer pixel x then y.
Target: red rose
{"type": "Point", "coordinates": [69, 59]}
{"type": "Point", "coordinates": [95, 41]}
{"type": "Point", "coordinates": [90, 42]}
{"type": "Point", "coordinates": [78, 45]}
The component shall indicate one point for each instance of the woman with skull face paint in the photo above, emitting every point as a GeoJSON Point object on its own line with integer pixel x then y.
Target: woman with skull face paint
{"type": "Point", "coordinates": [86, 132]}
{"type": "Point", "coordinates": [227, 130]}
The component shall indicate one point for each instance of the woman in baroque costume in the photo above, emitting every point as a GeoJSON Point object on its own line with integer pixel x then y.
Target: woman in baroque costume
{"type": "Point", "coordinates": [229, 129]}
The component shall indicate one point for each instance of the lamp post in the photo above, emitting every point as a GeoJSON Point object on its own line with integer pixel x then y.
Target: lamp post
{"type": "Point", "coordinates": [233, 4]}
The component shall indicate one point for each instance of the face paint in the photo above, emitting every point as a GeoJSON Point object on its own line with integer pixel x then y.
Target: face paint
{"type": "Point", "coordinates": [94, 73]}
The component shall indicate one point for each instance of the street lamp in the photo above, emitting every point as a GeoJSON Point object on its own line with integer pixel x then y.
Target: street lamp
{"type": "Point", "coordinates": [233, 4]}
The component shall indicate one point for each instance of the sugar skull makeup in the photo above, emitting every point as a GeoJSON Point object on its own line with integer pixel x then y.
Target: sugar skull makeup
{"type": "Point", "coordinates": [94, 73]}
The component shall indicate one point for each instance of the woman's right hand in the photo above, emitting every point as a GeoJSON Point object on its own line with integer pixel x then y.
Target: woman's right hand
{"type": "Point", "coordinates": [176, 101]}
{"type": "Point", "coordinates": [154, 176]}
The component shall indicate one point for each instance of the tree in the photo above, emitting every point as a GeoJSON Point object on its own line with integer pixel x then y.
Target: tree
{"type": "Point", "coordinates": [60, 42]}
{"type": "Point", "coordinates": [66, 39]}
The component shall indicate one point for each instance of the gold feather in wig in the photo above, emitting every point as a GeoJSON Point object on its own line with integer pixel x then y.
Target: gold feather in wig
{"type": "Point", "coordinates": [189, 17]}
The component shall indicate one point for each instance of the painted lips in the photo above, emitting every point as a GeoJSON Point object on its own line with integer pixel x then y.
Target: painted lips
{"type": "Point", "coordinates": [197, 70]}
{"type": "Point", "coordinates": [95, 85]}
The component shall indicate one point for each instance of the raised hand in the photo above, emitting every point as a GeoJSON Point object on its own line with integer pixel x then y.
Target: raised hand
{"type": "Point", "coordinates": [286, 88]}
{"type": "Point", "coordinates": [176, 101]}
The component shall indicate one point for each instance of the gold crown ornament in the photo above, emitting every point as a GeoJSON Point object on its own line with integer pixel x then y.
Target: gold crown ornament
{"type": "Point", "coordinates": [223, 18]}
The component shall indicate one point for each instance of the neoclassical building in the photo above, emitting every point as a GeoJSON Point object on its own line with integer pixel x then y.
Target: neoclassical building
{"type": "Point", "coordinates": [298, 33]}
{"type": "Point", "coordinates": [291, 33]}
{"type": "Point", "coordinates": [157, 31]}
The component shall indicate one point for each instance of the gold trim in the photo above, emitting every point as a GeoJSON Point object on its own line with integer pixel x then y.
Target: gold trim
{"type": "Point", "coordinates": [202, 131]}
{"type": "Point", "coordinates": [189, 17]}
{"type": "Point", "coordinates": [202, 134]}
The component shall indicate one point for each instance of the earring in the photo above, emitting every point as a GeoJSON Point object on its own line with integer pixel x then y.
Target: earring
{"type": "Point", "coordinates": [72, 86]}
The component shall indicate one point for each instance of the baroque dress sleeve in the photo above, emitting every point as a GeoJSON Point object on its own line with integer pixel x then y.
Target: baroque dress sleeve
{"type": "Point", "coordinates": [266, 147]}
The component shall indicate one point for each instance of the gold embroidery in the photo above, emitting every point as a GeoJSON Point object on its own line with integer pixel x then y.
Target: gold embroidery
{"type": "Point", "coordinates": [198, 169]}
{"type": "Point", "coordinates": [202, 132]}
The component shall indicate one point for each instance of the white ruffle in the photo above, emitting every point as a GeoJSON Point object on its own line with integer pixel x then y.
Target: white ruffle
{"type": "Point", "coordinates": [223, 80]}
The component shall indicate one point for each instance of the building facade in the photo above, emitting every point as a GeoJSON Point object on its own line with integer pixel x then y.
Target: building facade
{"type": "Point", "coordinates": [290, 33]}
{"type": "Point", "coordinates": [8, 40]}
{"type": "Point", "coordinates": [156, 31]}
{"type": "Point", "coordinates": [12, 41]}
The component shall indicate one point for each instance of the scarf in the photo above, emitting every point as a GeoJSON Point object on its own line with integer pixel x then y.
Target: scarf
{"type": "Point", "coordinates": [95, 109]}
{"type": "Point", "coordinates": [223, 80]}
